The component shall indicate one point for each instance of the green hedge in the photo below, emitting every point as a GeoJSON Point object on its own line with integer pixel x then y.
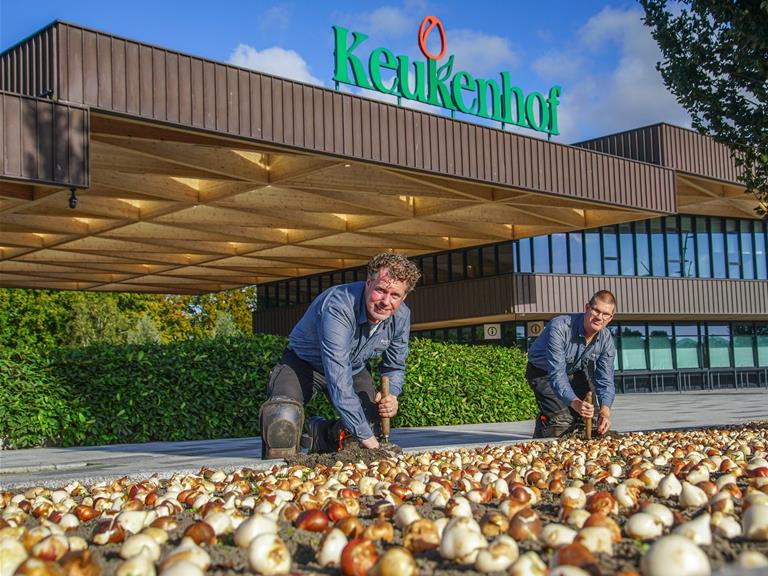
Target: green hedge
{"type": "Point", "coordinates": [213, 389]}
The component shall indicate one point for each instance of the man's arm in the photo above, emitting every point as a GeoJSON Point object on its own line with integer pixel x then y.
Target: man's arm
{"type": "Point", "coordinates": [559, 335]}
{"type": "Point", "coordinates": [336, 329]}
{"type": "Point", "coordinates": [392, 365]}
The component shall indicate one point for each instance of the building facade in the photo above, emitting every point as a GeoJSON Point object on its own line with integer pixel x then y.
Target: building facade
{"type": "Point", "coordinates": [131, 167]}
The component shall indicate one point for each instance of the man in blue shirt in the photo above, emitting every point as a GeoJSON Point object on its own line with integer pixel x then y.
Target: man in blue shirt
{"type": "Point", "coordinates": [343, 328]}
{"type": "Point", "coordinates": [571, 356]}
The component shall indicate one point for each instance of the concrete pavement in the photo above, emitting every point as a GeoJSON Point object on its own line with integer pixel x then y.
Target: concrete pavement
{"type": "Point", "coordinates": [632, 412]}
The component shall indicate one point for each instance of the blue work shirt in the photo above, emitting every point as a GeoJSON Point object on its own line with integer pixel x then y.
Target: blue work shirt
{"type": "Point", "coordinates": [334, 337]}
{"type": "Point", "coordinates": [562, 349]}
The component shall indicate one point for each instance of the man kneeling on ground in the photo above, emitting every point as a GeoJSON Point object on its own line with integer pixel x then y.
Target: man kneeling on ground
{"type": "Point", "coordinates": [572, 352]}
{"type": "Point", "coordinates": [344, 327]}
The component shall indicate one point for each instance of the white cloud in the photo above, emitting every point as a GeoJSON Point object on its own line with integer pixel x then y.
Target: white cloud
{"type": "Point", "coordinates": [480, 53]}
{"type": "Point", "coordinates": [600, 98]}
{"type": "Point", "coordinates": [277, 18]}
{"type": "Point", "coordinates": [275, 60]}
{"type": "Point", "coordinates": [386, 20]}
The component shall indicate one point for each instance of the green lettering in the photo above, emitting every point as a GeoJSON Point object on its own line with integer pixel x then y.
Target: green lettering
{"type": "Point", "coordinates": [436, 78]}
{"type": "Point", "coordinates": [463, 81]}
{"type": "Point", "coordinates": [376, 63]}
{"type": "Point", "coordinates": [507, 90]}
{"type": "Point", "coordinates": [419, 79]}
{"type": "Point", "coordinates": [343, 56]}
{"type": "Point", "coordinates": [552, 101]}
{"type": "Point", "coordinates": [483, 87]}
{"type": "Point", "coordinates": [543, 116]}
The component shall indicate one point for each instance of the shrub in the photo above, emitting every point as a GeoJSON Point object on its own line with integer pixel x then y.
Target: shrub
{"type": "Point", "coordinates": [36, 408]}
{"type": "Point", "coordinates": [213, 388]}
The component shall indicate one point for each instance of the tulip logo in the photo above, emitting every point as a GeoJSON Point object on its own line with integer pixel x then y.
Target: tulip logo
{"type": "Point", "coordinates": [427, 82]}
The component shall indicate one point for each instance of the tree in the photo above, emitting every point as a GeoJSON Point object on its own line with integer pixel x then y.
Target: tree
{"type": "Point", "coordinates": [716, 64]}
{"type": "Point", "coordinates": [144, 331]}
{"type": "Point", "coordinates": [225, 326]}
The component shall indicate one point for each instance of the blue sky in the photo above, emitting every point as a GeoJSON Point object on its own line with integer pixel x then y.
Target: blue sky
{"type": "Point", "coordinates": [598, 52]}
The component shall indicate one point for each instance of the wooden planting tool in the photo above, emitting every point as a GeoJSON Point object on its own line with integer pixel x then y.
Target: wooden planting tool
{"type": "Point", "coordinates": [588, 421]}
{"type": "Point", "coordinates": [385, 419]}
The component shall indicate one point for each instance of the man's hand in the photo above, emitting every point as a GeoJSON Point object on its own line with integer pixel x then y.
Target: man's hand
{"type": "Point", "coordinates": [604, 422]}
{"type": "Point", "coordinates": [387, 406]}
{"type": "Point", "coordinates": [370, 442]}
{"type": "Point", "coordinates": [585, 409]}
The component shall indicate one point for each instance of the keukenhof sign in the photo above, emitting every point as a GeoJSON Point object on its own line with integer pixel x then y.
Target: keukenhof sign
{"type": "Point", "coordinates": [433, 83]}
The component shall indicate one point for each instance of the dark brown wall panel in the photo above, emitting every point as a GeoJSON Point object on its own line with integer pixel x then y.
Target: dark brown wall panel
{"type": "Point", "coordinates": [30, 67]}
{"type": "Point", "coordinates": [671, 147]}
{"type": "Point", "coordinates": [544, 295]}
{"type": "Point", "coordinates": [43, 141]}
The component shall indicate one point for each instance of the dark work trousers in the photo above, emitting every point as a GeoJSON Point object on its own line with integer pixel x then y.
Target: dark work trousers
{"type": "Point", "coordinates": [296, 379]}
{"type": "Point", "coordinates": [555, 418]}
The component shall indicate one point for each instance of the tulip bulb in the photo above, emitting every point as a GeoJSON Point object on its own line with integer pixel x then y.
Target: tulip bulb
{"type": "Point", "coordinates": [182, 568]}
{"type": "Point", "coordinates": [529, 564]}
{"type": "Point", "coordinates": [725, 525]}
{"type": "Point", "coordinates": [675, 555]}
{"type": "Point", "coordinates": [669, 486]}
{"type": "Point", "coordinates": [462, 540]}
{"type": "Point", "coordinates": [358, 557]}
{"type": "Point", "coordinates": [268, 554]}
{"type": "Point", "coordinates": [253, 527]}
{"type": "Point", "coordinates": [421, 535]}
{"type": "Point", "coordinates": [556, 535]}
{"type": "Point", "coordinates": [661, 513]}
{"type": "Point", "coordinates": [756, 522]}
{"type": "Point", "coordinates": [499, 555]}
{"type": "Point", "coordinates": [643, 526]}
{"type": "Point", "coordinates": [331, 547]}
{"type": "Point", "coordinates": [692, 496]}
{"type": "Point", "coordinates": [12, 554]}
{"type": "Point", "coordinates": [396, 561]}
{"type": "Point", "coordinates": [752, 559]}
{"type": "Point", "coordinates": [141, 564]}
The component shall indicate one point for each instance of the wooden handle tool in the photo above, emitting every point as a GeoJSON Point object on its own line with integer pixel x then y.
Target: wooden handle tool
{"type": "Point", "coordinates": [588, 421]}
{"type": "Point", "coordinates": [385, 419]}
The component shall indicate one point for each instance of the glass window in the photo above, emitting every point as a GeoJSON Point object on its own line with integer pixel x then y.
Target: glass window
{"type": "Point", "coordinates": [303, 294]}
{"type": "Point", "coordinates": [761, 333]}
{"type": "Point", "coordinates": [541, 254]}
{"type": "Point", "coordinates": [687, 346]}
{"type": "Point", "coordinates": [643, 256]}
{"type": "Point", "coordinates": [314, 287]}
{"type": "Point", "coordinates": [428, 270]}
{"type": "Point", "coordinates": [732, 243]}
{"type": "Point", "coordinates": [576, 252]}
{"type": "Point", "coordinates": [457, 265]}
{"type": "Point", "coordinates": [633, 347]}
{"type": "Point", "coordinates": [473, 263]}
{"type": "Point", "coordinates": [282, 294]}
{"type": "Point", "coordinates": [747, 251]}
{"type": "Point", "coordinates": [626, 250]}
{"type": "Point", "coordinates": [524, 255]}
{"type": "Point", "coordinates": [660, 346]}
{"type": "Point", "coordinates": [452, 335]}
{"type": "Point", "coordinates": [443, 268]}
{"type": "Point", "coordinates": [718, 345]}
{"type": "Point", "coordinates": [658, 260]}
{"type": "Point", "coordinates": [761, 258]}
{"type": "Point", "coordinates": [688, 247]}
{"type": "Point", "coordinates": [718, 248]}
{"type": "Point", "coordinates": [293, 292]}
{"type": "Point", "coordinates": [610, 251]}
{"type": "Point", "coordinates": [592, 248]}
{"type": "Point", "coordinates": [702, 248]}
{"type": "Point", "coordinates": [488, 257]}
{"type": "Point", "coordinates": [559, 253]}
{"type": "Point", "coordinates": [743, 345]}
{"type": "Point", "coordinates": [465, 334]}
{"type": "Point", "coordinates": [673, 246]}
{"type": "Point", "coordinates": [615, 330]}
{"type": "Point", "coordinates": [506, 260]}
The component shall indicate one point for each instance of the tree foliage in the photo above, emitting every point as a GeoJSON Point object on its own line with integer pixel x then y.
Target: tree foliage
{"type": "Point", "coordinates": [716, 64]}
{"type": "Point", "coordinates": [51, 318]}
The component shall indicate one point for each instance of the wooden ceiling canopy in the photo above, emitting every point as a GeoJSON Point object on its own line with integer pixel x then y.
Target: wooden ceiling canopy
{"type": "Point", "coordinates": [171, 211]}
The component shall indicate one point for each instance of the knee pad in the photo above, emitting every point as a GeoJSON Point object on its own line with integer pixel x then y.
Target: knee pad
{"type": "Point", "coordinates": [281, 421]}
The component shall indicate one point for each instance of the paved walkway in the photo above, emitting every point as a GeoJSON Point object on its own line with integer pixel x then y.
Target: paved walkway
{"type": "Point", "coordinates": [56, 466]}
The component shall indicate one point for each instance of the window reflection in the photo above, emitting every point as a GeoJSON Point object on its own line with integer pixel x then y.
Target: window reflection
{"type": "Point", "coordinates": [610, 252]}
{"type": "Point", "coordinates": [576, 252]}
{"type": "Point", "coordinates": [703, 259]}
{"type": "Point", "coordinates": [524, 255]}
{"type": "Point", "coordinates": [592, 249]}
{"type": "Point", "coordinates": [732, 243]}
{"type": "Point", "coordinates": [747, 256]}
{"type": "Point", "coordinates": [626, 250]}
{"type": "Point", "coordinates": [760, 251]}
{"type": "Point", "coordinates": [658, 261]}
{"type": "Point", "coordinates": [688, 247]}
{"type": "Point", "coordinates": [743, 349]}
{"type": "Point", "coordinates": [687, 346]}
{"type": "Point", "coordinates": [718, 345]}
{"type": "Point", "coordinates": [660, 346]}
{"type": "Point", "coordinates": [633, 347]}
{"type": "Point", "coordinates": [673, 246]}
{"type": "Point", "coordinates": [718, 248]}
{"type": "Point", "coordinates": [559, 254]}
{"type": "Point", "coordinates": [541, 254]}
{"type": "Point", "coordinates": [642, 240]}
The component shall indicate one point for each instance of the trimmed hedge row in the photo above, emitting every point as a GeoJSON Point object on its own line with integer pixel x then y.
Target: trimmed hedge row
{"type": "Point", "coordinates": [214, 388]}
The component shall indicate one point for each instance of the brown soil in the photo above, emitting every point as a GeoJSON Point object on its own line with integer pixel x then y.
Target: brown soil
{"type": "Point", "coordinates": [227, 559]}
{"type": "Point", "coordinates": [351, 454]}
